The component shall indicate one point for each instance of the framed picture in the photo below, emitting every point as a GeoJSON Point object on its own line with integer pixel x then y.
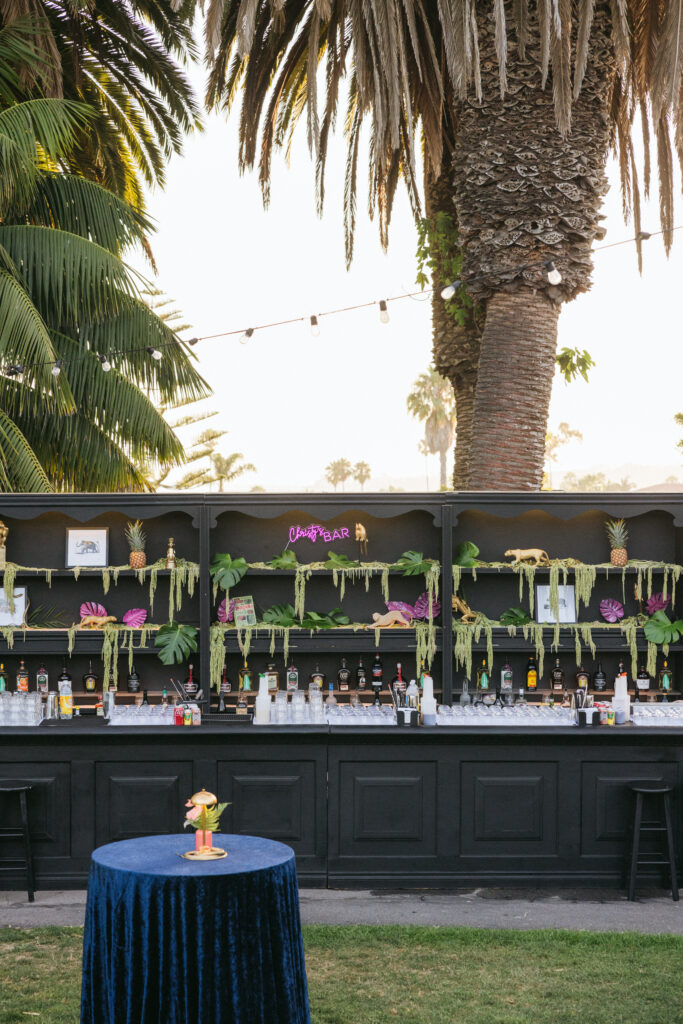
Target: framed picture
{"type": "Point", "coordinates": [565, 602]}
{"type": "Point", "coordinates": [16, 616]}
{"type": "Point", "coordinates": [245, 614]}
{"type": "Point", "coordinates": [87, 547]}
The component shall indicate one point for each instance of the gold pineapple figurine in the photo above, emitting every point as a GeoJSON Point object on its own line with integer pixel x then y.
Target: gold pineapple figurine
{"type": "Point", "coordinates": [170, 555]}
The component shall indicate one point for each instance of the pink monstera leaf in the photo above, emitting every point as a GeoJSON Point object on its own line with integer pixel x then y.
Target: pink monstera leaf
{"type": "Point", "coordinates": [656, 603]}
{"type": "Point", "coordinates": [226, 613]}
{"type": "Point", "coordinates": [611, 609]}
{"type": "Point", "coordinates": [135, 617]}
{"type": "Point", "coordinates": [422, 606]}
{"type": "Point", "coordinates": [403, 607]}
{"type": "Point", "coordinates": [93, 608]}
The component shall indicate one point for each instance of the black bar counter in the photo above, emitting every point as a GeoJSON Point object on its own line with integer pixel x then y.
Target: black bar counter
{"type": "Point", "coordinates": [362, 807]}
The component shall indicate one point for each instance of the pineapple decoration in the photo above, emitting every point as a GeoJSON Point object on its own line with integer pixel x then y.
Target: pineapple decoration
{"type": "Point", "coordinates": [618, 537]}
{"type": "Point", "coordinates": [137, 538]}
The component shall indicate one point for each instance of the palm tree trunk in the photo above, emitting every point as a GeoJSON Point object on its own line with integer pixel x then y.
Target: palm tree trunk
{"type": "Point", "coordinates": [442, 469]}
{"type": "Point", "coordinates": [525, 194]}
{"type": "Point", "coordinates": [456, 348]}
{"type": "Point", "coordinates": [516, 369]}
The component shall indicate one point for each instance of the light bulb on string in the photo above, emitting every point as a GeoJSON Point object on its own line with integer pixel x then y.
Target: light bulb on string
{"type": "Point", "coordinates": [14, 370]}
{"type": "Point", "coordinates": [449, 291]}
{"type": "Point", "coordinates": [554, 276]}
{"type": "Point", "coordinates": [315, 327]}
{"type": "Point", "coordinates": [57, 368]}
{"type": "Point", "coordinates": [106, 365]}
{"type": "Point", "coordinates": [153, 352]}
{"type": "Point", "coordinates": [383, 311]}
{"type": "Point", "coordinates": [246, 335]}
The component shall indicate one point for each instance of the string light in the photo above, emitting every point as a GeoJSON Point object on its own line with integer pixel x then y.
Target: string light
{"type": "Point", "coordinates": [553, 275]}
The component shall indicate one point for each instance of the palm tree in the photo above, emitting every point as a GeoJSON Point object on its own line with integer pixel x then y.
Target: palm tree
{"type": "Point", "coordinates": [229, 467]}
{"type": "Point", "coordinates": [423, 449]}
{"type": "Point", "coordinates": [554, 440]}
{"type": "Point", "coordinates": [433, 403]}
{"type": "Point", "coordinates": [68, 301]}
{"type": "Point", "coordinates": [120, 59]}
{"type": "Point", "coordinates": [518, 165]}
{"type": "Point", "coordinates": [338, 472]}
{"type": "Point", "coordinates": [362, 473]}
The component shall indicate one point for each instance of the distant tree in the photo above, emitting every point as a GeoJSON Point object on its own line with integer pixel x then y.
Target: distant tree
{"type": "Point", "coordinates": [432, 402]}
{"type": "Point", "coordinates": [424, 450]}
{"type": "Point", "coordinates": [678, 418]}
{"type": "Point", "coordinates": [228, 467]}
{"type": "Point", "coordinates": [595, 482]}
{"type": "Point", "coordinates": [361, 473]}
{"type": "Point", "coordinates": [554, 440]}
{"type": "Point", "coordinates": [338, 472]}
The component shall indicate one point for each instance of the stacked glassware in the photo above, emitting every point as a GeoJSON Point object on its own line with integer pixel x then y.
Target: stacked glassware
{"type": "Point", "coordinates": [519, 714]}
{"type": "Point", "coordinates": [143, 714]}
{"type": "Point", "coordinates": [658, 715]}
{"type": "Point", "coordinates": [20, 709]}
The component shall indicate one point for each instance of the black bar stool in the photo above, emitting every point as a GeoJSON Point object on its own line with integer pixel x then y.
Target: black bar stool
{"type": "Point", "coordinates": [662, 795]}
{"type": "Point", "coordinates": [20, 790]}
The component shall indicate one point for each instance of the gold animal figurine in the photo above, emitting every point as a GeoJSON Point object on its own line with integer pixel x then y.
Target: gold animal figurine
{"type": "Point", "coordinates": [535, 556]}
{"type": "Point", "coordinates": [390, 619]}
{"type": "Point", "coordinates": [4, 530]}
{"type": "Point", "coordinates": [461, 606]}
{"type": "Point", "coordinates": [362, 538]}
{"type": "Point", "coordinates": [96, 621]}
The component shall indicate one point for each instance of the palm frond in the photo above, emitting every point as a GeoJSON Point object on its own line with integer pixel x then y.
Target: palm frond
{"type": "Point", "coordinates": [20, 469]}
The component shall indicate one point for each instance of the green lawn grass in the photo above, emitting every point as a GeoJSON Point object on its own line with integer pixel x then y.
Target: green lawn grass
{"type": "Point", "coordinates": [414, 975]}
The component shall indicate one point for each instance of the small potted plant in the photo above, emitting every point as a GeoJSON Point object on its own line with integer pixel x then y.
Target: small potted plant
{"type": "Point", "coordinates": [204, 817]}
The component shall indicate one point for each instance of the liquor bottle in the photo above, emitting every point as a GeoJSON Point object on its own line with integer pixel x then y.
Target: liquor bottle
{"type": "Point", "coordinates": [621, 674]}
{"type": "Point", "coordinates": [221, 709]}
{"type": "Point", "coordinates": [90, 680]}
{"type": "Point", "coordinates": [599, 679]}
{"type": "Point", "coordinates": [581, 678]}
{"type": "Point", "coordinates": [164, 698]}
{"type": "Point", "coordinates": [506, 679]}
{"type": "Point", "coordinates": [42, 680]}
{"type": "Point", "coordinates": [65, 689]}
{"type": "Point", "coordinates": [273, 676]}
{"type": "Point", "coordinates": [642, 679]}
{"type": "Point", "coordinates": [190, 686]}
{"type": "Point", "coordinates": [520, 699]}
{"type": "Point", "coordinates": [398, 683]}
{"type": "Point", "coordinates": [242, 707]}
{"type": "Point", "coordinates": [226, 685]}
{"type": "Point", "coordinates": [483, 678]}
{"type": "Point", "coordinates": [531, 674]}
{"type": "Point", "coordinates": [413, 694]}
{"type": "Point", "coordinates": [245, 679]}
{"type": "Point", "coordinates": [557, 678]}
{"type": "Point", "coordinates": [3, 679]}
{"type": "Point", "coordinates": [317, 679]}
{"type": "Point", "coordinates": [292, 677]}
{"type": "Point", "coordinates": [343, 676]}
{"type": "Point", "coordinates": [420, 681]}
{"type": "Point", "coordinates": [361, 680]}
{"type": "Point", "coordinates": [22, 678]}
{"type": "Point", "coordinates": [377, 673]}
{"type": "Point", "coordinates": [133, 683]}
{"type": "Point", "coordinates": [145, 702]}
{"type": "Point", "coordinates": [465, 692]}
{"type": "Point", "coordinates": [665, 677]}
{"type": "Point", "coordinates": [331, 700]}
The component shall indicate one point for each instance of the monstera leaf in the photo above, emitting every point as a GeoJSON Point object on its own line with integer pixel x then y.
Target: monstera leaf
{"type": "Point", "coordinates": [227, 571]}
{"type": "Point", "coordinates": [466, 554]}
{"type": "Point", "coordinates": [656, 603]}
{"type": "Point", "coordinates": [413, 563]}
{"type": "Point", "coordinates": [515, 616]}
{"type": "Point", "coordinates": [175, 642]}
{"type": "Point", "coordinates": [280, 615]}
{"type": "Point", "coordinates": [659, 629]}
{"type": "Point", "coordinates": [421, 609]}
{"type": "Point", "coordinates": [314, 620]}
{"type": "Point", "coordinates": [335, 561]}
{"type": "Point", "coordinates": [285, 560]}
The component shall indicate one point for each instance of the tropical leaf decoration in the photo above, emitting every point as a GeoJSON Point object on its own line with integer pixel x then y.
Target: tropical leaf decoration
{"type": "Point", "coordinates": [466, 554]}
{"type": "Point", "coordinates": [659, 629]}
{"type": "Point", "coordinates": [421, 609]}
{"type": "Point", "coordinates": [611, 609]}
{"type": "Point", "coordinates": [226, 610]}
{"type": "Point", "coordinates": [227, 571]}
{"type": "Point", "coordinates": [47, 617]}
{"type": "Point", "coordinates": [280, 615]}
{"type": "Point", "coordinates": [92, 608]}
{"type": "Point", "coordinates": [335, 561]}
{"type": "Point", "coordinates": [656, 603]}
{"type": "Point", "coordinates": [176, 641]}
{"type": "Point", "coordinates": [331, 620]}
{"type": "Point", "coordinates": [135, 617]}
{"type": "Point", "coordinates": [285, 560]}
{"type": "Point", "coordinates": [413, 563]}
{"type": "Point", "coordinates": [402, 606]}
{"type": "Point", "coordinates": [515, 616]}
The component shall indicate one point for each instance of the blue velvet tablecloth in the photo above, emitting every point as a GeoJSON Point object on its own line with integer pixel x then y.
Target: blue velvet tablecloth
{"type": "Point", "coordinates": [172, 941]}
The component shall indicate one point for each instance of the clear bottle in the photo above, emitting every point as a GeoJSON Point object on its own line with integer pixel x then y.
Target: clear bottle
{"type": "Point", "coordinates": [483, 678]}
{"type": "Point", "coordinates": [361, 678]}
{"type": "Point", "coordinates": [506, 678]}
{"type": "Point", "coordinates": [317, 679]}
{"type": "Point", "coordinates": [413, 695]}
{"type": "Point", "coordinates": [599, 679]}
{"type": "Point", "coordinates": [22, 678]}
{"type": "Point", "coordinates": [532, 674]}
{"type": "Point", "coordinates": [343, 676]}
{"type": "Point", "coordinates": [42, 680]}
{"type": "Point", "coordinates": [90, 679]}
{"type": "Point", "coordinates": [330, 700]}
{"type": "Point", "coordinates": [465, 692]}
{"type": "Point", "coordinates": [557, 678]}
{"type": "Point", "coordinates": [190, 686]}
{"type": "Point", "coordinates": [273, 676]}
{"type": "Point", "coordinates": [133, 684]}
{"type": "Point", "coordinates": [164, 698]}
{"type": "Point", "coordinates": [292, 677]}
{"type": "Point", "coordinates": [665, 677]}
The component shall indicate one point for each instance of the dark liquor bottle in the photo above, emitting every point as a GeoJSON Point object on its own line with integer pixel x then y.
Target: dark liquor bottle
{"type": "Point", "coordinates": [22, 678]}
{"type": "Point", "coordinates": [245, 679]}
{"type": "Point", "coordinates": [42, 681]}
{"type": "Point", "coordinates": [531, 674]}
{"type": "Point", "coordinates": [483, 678]}
{"type": "Point", "coordinates": [665, 678]}
{"type": "Point", "coordinates": [581, 678]}
{"type": "Point", "coordinates": [133, 684]}
{"type": "Point", "coordinates": [506, 679]}
{"type": "Point", "coordinates": [343, 676]}
{"type": "Point", "coordinates": [64, 677]}
{"type": "Point", "coordinates": [292, 677]}
{"type": "Point", "coordinates": [3, 679]}
{"type": "Point", "coordinates": [557, 678]}
{"type": "Point", "coordinates": [377, 673]}
{"type": "Point", "coordinates": [90, 679]}
{"type": "Point", "coordinates": [145, 702]}
{"type": "Point", "coordinates": [642, 679]}
{"type": "Point", "coordinates": [317, 679]}
{"type": "Point", "coordinates": [361, 680]}
{"type": "Point", "coordinates": [226, 685]}
{"type": "Point", "coordinates": [599, 679]}
{"type": "Point", "coordinates": [190, 686]}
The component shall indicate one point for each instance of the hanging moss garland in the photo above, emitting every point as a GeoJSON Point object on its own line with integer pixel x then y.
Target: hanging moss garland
{"type": "Point", "coordinates": [425, 645]}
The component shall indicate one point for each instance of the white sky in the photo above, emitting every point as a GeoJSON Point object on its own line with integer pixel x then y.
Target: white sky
{"type": "Point", "coordinates": [292, 403]}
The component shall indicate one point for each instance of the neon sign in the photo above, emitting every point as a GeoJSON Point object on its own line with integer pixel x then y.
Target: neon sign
{"type": "Point", "coordinates": [316, 532]}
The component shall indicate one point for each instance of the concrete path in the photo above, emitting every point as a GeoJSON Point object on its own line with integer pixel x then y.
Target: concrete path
{"type": "Point", "coordinates": [576, 909]}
